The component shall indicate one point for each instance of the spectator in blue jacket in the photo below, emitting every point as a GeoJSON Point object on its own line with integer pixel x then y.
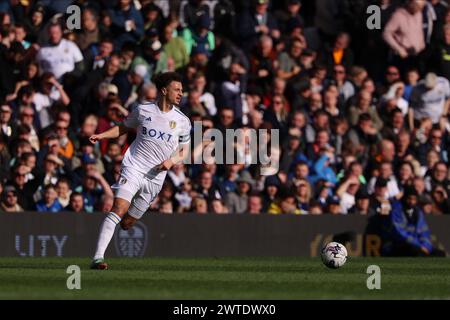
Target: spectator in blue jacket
{"type": "Point", "coordinates": [409, 234]}
{"type": "Point", "coordinates": [50, 201]}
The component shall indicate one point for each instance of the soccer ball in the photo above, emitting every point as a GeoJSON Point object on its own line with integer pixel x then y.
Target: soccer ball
{"type": "Point", "coordinates": [334, 255]}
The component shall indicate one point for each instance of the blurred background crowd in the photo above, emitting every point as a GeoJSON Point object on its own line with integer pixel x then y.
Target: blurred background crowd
{"type": "Point", "coordinates": [362, 113]}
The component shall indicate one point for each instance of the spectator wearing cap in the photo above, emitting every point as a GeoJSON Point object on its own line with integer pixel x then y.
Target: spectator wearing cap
{"type": "Point", "coordinates": [254, 22]}
{"type": "Point", "coordinates": [237, 201]}
{"type": "Point", "coordinates": [50, 202]}
{"type": "Point", "coordinates": [429, 99]}
{"type": "Point", "coordinates": [88, 161]}
{"type": "Point", "coordinates": [127, 23]}
{"type": "Point", "coordinates": [334, 206]}
{"type": "Point", "coordinates": [9, 202]}
{"type": "Point", "coordinates": [175, 48]}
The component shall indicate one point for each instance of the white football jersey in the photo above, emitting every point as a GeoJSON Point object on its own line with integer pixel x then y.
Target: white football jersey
{"type": "Point", "coordinates": [158, 136]}
{"type": "Point", "coordinates": [59, 59]}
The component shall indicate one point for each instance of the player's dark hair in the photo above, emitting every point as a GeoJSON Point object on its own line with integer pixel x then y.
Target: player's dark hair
{"type": "Point", "coordinates": [162, 80]}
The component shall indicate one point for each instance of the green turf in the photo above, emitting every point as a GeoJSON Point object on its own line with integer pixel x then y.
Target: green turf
{"type": "Point", "coordinates": [224, 278]}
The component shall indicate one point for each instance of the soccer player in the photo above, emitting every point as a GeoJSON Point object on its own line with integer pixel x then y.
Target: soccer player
{"type": "Point", "coordinates": [163, 137]}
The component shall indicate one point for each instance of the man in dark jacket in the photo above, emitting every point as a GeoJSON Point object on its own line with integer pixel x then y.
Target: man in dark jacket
{"type": "Point", "coordinates": [127, 21]}
{"type": "Point", "coordinates": [256, 22]}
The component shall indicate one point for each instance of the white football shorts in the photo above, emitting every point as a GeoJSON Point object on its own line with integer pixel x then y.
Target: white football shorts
{"type": "Point", "coordinates": [134, 187]}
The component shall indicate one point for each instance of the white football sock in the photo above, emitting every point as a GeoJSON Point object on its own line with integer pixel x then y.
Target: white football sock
{"type": "Point", "coordinates": [106, 233]}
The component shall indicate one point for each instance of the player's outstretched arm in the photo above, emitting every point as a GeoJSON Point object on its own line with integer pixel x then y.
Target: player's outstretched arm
{"type": "Point", "coordinates": [179, 156]}
{"type": "Point", "coordinates": [112, 133]}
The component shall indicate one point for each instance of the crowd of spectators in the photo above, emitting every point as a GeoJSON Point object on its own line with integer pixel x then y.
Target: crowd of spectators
{"type": "Point", "coordinates": [362, 113]}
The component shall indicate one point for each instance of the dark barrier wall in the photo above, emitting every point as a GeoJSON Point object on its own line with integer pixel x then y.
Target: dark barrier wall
{"type": "Point", "coordinates": [69, 234]}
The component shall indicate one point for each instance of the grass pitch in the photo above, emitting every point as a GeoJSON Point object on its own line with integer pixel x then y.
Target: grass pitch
{"type": "Point", "coordinates": [225, 278]}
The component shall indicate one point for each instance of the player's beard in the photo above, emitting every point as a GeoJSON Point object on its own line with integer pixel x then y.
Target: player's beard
{"type": "Point", "coordinates": [175, 103]}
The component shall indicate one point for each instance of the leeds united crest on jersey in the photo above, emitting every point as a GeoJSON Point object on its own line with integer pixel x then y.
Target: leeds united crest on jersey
{"type": "Point", "coordinates": [132, 242]}
{"type": "Point", "coordinates": [172, 124]}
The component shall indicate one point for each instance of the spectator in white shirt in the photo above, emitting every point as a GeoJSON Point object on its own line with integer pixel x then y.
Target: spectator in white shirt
{"type": "Point", "coordinates": [59, 56]}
